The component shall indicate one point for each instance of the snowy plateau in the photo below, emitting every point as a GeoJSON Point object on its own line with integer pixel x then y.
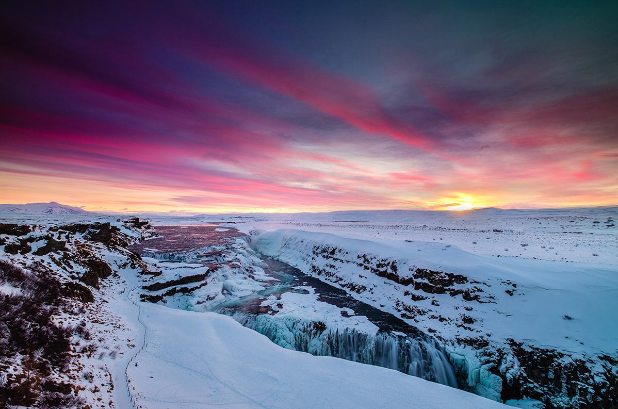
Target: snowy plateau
{"type": "Point", "coordinates": [366, 309]}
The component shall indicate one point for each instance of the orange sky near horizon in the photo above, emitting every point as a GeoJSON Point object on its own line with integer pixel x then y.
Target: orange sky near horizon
{"type": "Point", "coordinates": [99, 195]}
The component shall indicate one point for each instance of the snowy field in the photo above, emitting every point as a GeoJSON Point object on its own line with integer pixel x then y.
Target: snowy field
{"type": "Point", "coordinates": [500, 290]}
{"type": "Point", "coordinates": [587, 235]}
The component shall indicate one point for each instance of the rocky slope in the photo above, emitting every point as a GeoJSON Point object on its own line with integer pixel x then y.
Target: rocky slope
{"type": "Point", "coordinates": [59, 340]}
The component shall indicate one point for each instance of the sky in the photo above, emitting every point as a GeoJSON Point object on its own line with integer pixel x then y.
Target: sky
{"type": "Point", "coordinates": [241, 106]}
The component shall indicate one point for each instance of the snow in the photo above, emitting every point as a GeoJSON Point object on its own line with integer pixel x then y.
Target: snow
{"type": "Point", "coordinates": [8, 289]}
{"type": "Point", "coordinates": [295, 319]}
{"type": "Point", "coordinates": [579, 235]}
{"type": "Point", "coordinates": [111, 320]}
{"type": "Point", "coordinates": [293, 311]}
{"type": "Point", "coordinates": [174, 270]}
{"type": "Point", "coordinates": [202, 360]}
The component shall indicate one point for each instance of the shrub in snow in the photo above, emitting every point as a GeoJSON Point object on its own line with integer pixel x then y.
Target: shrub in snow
{"type": "Point", "coordinates": [31, 339]}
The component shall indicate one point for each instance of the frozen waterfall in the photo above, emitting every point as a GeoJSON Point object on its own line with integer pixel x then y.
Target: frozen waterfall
{"type": "Point", "coordinates": [417, 356]}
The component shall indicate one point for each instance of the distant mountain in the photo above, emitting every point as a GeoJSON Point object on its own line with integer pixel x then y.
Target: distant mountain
{"type": "Point", "coordinates": [40, 208]}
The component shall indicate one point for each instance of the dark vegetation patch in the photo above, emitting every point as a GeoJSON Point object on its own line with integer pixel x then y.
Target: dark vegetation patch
{"type": "Point", "coordinates": [28, 332]}
{"type": "Point", "coordinates": [22, 247]}
{"type": "Point", "coordinates": [105, 233]}
{"type": "Point", "coordinates": [476, 343]}
{"type": "Point", "coordinates": [414, 296]}
{"type": "Point", "coordinates": [439, 277]}
{"type": "Point", "coordinates": [383, 268]}
{"type": "Point", "coordinates": [135, 222]}
{"type": "Point", "coordinates": [409, 311]}
{"type": "Point", "coordinates": [97, 269]}
{"type": "Point", "coordinates": [466, 319]}
{"type": "Point", "coordinates": [14, 229]}
{"type": "Point", "coordinates": [357, 288]}
{"type": "Point", "coordinates": [78, 292]}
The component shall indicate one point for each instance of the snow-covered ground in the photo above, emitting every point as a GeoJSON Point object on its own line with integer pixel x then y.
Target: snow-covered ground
{"type": "Point", "coordinates": [580, 235]}
{"type": "Point", "coordinates": [500, 289]}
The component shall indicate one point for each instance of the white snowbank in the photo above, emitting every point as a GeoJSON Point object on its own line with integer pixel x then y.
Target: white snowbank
{"type": "Point", "coordinates": [8, 289]}
{"type": "Point", "coordinates": [203, 360]}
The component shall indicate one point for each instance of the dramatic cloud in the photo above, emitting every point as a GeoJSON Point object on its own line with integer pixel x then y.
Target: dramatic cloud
{"type": "Point", "coordinates": [289, 106]}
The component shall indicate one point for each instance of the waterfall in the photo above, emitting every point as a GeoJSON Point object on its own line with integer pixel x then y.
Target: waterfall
{"type": "Point", "coordinates": [417, 356]}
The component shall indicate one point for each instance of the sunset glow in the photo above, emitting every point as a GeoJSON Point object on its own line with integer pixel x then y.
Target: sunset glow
{"type": "Point", "coordinates": [284, 106]}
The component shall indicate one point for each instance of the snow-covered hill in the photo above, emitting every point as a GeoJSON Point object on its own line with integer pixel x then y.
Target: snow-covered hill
{"type": "Point", "coordinates": [40, 209]}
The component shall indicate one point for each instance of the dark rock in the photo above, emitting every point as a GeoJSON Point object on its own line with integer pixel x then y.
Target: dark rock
{"type": "Point", "coordinates": [21, 247]}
